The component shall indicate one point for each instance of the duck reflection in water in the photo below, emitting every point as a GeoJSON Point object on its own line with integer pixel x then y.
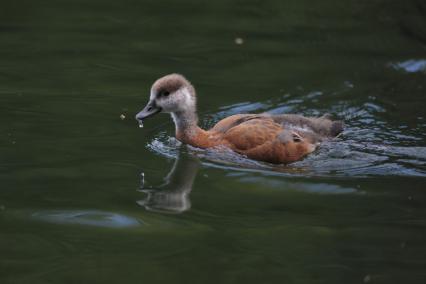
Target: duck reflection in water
{"type": "Point", "coordinates": [173, 195]}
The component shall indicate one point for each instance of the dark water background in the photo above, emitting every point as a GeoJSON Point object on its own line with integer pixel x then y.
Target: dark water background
{"type": "Point", "coordinates": [76, 208]}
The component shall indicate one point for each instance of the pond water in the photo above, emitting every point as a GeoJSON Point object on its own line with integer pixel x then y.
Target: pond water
{"type": "Point", "coordinates": [86, 196]}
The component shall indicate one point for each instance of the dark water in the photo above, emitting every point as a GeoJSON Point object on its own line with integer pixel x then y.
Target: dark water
{"type": "Point", "coordinates": [87, 197]}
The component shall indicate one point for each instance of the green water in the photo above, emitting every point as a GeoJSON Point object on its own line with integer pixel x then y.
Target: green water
{"type": "Point", "coordinates": [88, 197]}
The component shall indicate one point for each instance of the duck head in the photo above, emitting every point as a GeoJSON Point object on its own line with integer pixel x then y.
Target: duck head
{"type": "Point", "coordinates": [170, 94]}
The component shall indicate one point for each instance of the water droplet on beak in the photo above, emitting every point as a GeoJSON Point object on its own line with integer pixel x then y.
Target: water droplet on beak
{"type": "Point", "coordinates": [140, 124]}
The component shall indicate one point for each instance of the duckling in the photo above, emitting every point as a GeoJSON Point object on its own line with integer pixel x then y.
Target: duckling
{"type": "Point", "coordinates": [264, 137]}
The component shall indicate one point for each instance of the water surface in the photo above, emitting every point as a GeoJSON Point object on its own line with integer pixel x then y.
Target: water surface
{"type": "Point", "coordinates": [88, 197]}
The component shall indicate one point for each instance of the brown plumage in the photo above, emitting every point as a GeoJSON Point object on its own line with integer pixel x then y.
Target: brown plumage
{"type": "Point", "coordinates": [271, 138]}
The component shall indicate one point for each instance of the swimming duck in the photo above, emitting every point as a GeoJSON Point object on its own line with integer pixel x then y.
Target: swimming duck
{"type": "Point", "coordinates": [270, 138]}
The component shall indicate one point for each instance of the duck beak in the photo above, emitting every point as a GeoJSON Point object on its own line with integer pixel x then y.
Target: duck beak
{"type": "Point", "coordinates": [149, 110]}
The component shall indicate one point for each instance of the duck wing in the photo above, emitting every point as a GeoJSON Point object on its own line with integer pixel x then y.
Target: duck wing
{"type": "Point", "coordinates": [259, 137]}
{"type": "Point", "coordinates": [286, 147]}
{"type": "Point", "coordinates": [263, 137]}
{"type": "Point", "coordinates": [234, 120]}
{"type": "Point", "coordinates": [322, 126]}
{"type": "Point", "coordinates": [248, 131]}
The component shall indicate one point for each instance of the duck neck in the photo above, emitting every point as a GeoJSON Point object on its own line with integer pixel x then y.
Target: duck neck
{"type": "Point", "coordinates": [187, 129]}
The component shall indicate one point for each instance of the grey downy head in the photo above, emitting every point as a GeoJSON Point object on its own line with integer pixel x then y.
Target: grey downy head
{"type": "Point", "coordinates": [169, 94]}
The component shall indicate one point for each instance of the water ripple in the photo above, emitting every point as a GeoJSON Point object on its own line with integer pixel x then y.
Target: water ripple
{"type": "Point", "coordinates": [86, 217]}
{"type": "Point", "coordinates": [410, 66]}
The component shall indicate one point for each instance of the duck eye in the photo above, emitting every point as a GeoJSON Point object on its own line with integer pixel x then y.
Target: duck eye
{"type": "Point", "coordinates": [164, 94]}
